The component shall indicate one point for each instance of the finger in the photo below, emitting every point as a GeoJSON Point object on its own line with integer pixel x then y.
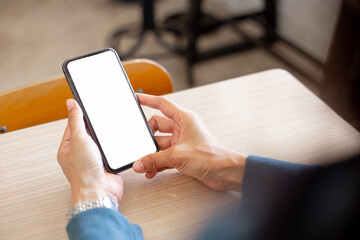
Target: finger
{"type": "Point", "coordinates": [154, 161]}
{"type": "Point", "coordinates": [150, 174]}
{"type": "Point", "coordinates": [75, 117]}
{"type": "Point", "coordinates": [66, 136]}
{"type": "Point", "coordinates": [164, 142]}
{"type": "Point", "coordinates": [161, 169]}
{"type": "Point", "coordinates": [65, 140]}
{"type": "Point", "coordinates": [168, 108]}
{"type": "Point", "coordinates": [161, 124]}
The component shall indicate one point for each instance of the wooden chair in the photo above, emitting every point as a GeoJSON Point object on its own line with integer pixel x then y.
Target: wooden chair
{"type": "Point", "coordinates": [44, 101]}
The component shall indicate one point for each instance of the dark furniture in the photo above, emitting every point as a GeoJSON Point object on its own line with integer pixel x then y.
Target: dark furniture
{"type": "Point", "coordinates": [195, 23]}
{"type": "Point", "coordinates": [190, 26]}
{"type": "Point", "coordinates": [138, 33]}
{"type": "Point", "coordinates": [341, 90]}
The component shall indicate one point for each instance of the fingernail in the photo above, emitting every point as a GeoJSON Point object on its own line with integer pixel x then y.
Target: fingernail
{"type": "Point", "coordinates": [69, 104]}
{"type": "Point", "coordinates": [138, 166]}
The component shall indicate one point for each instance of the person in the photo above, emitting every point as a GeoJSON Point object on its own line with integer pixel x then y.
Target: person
{"type": "Point", "coordinates": [280, 200]}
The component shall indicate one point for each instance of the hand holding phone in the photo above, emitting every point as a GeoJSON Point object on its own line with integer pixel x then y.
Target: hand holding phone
{"type": "Point", "coordinates": [111, 110]}
{"type": "Point", "coordinates": [81, 162]}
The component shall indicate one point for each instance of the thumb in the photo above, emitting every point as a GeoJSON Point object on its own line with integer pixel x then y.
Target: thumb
{"type": "Point", "coordinates": [75, 116]}
{"type": "Point", "coordinates": [154, 161]}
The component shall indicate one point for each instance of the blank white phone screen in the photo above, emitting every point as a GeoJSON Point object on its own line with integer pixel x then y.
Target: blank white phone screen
{"type": "Point", "coordinates": [112, 109]}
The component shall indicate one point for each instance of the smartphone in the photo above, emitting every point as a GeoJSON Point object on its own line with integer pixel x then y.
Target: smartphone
{"type": "Point", "coordinates": [112, 113]}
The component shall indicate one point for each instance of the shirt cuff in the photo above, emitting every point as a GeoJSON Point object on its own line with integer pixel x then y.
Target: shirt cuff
{"type": "Point", "coordinates": [102, 223]}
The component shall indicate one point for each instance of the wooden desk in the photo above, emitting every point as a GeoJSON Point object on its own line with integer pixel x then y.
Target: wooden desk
{"type": "Point", "coordinates": [268, 113]}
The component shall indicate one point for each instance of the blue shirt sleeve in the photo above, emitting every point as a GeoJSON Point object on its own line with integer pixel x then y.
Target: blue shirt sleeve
{"type": "Point", "coordinates": [267, 184]}
{"type": "Point", "coordinates": [102, 223]}
{"type": "Point", "coordinates": [266, 180]}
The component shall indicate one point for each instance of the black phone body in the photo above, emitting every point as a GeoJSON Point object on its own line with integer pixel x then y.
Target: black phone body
{"type": "Point", "coordinates": [111, 110]}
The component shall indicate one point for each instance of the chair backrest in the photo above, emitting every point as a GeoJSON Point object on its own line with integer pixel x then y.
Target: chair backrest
{"type": "Point", "coordinates": [44, 101]}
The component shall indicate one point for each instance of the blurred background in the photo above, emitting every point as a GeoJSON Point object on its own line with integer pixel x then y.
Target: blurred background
{"type": "Point", "coordinates": [198, 42]}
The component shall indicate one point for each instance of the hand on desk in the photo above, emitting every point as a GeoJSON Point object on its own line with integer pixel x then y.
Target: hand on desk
{"type": "Point", "coordinates": [81, 162]}
{"type": "Point", "coordinates": [190, 148]}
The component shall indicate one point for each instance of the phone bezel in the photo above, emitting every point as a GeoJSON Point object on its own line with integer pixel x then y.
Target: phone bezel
{"type": "Point", "coordinates": [86, 118]}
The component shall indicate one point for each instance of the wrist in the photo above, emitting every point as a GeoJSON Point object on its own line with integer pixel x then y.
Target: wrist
{"type": "Point", "coordinates": [100, 202]}
{"type": "Point", "coordinates": [83, 194]}
{"type": "Point", "coordinates": [232, 172]}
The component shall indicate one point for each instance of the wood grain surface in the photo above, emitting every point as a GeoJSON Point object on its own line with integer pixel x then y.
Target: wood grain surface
{"type": "Point", "coordinates": [268, 113]}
